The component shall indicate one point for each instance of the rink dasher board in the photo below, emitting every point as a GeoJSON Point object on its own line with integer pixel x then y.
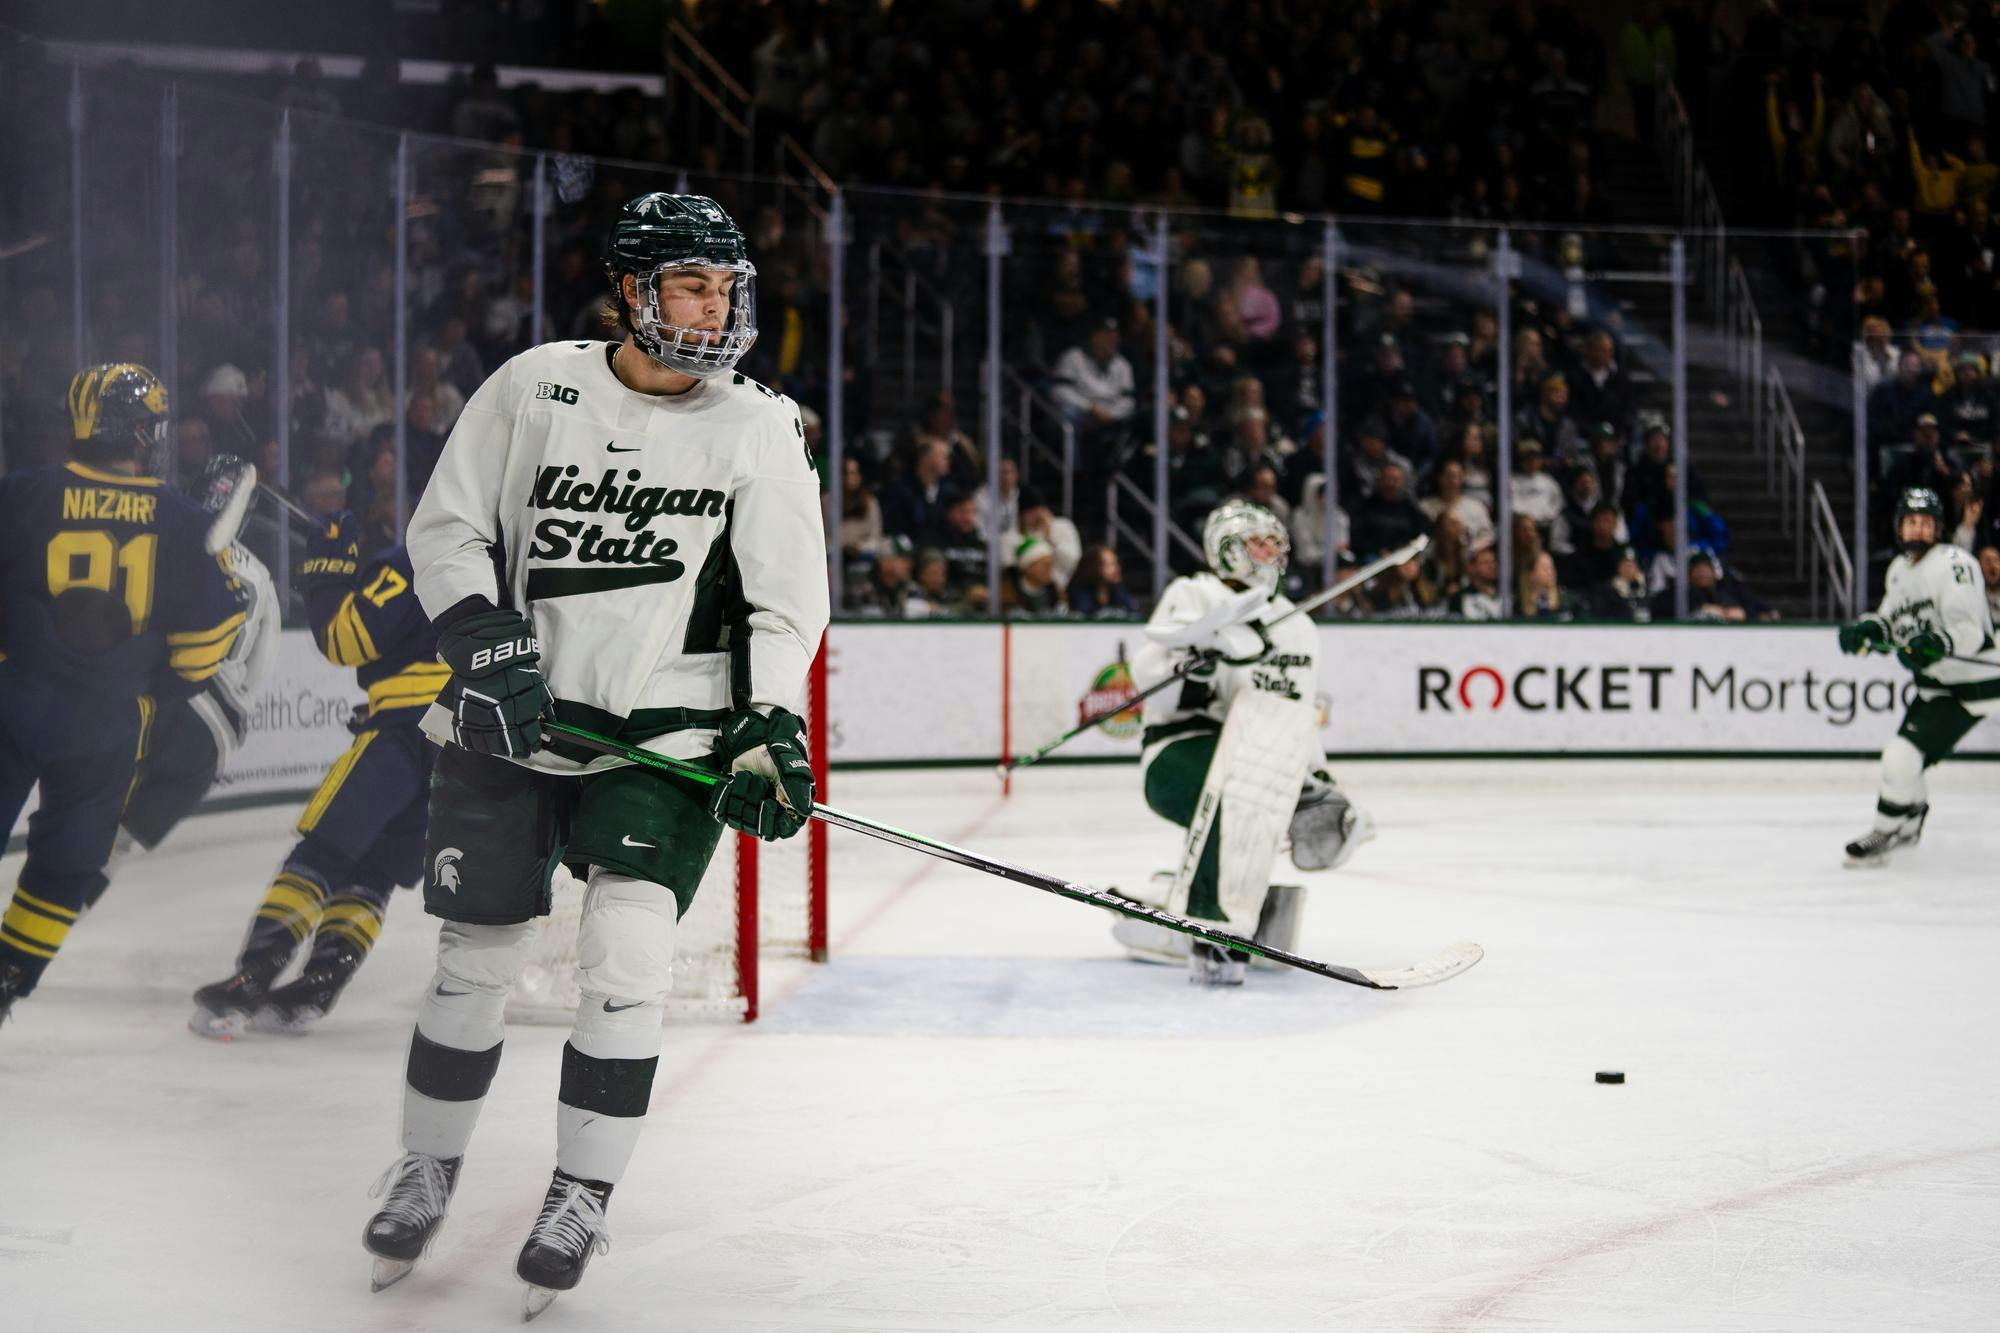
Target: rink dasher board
{"type": "Point", "coordinates": [930, 693]}
{"type": "Point", "coordinates": [927, 693]}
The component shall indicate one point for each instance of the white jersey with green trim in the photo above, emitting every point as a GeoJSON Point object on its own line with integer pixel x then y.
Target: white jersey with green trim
{"type": "Point", "coordinates": [1943, 591]}
{"type": "Point", "coordinates": [667, 548]}
{"type": "Point", "coordinates": [1197, 707]}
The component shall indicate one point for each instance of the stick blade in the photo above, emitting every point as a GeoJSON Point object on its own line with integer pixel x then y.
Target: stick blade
{"type": "Point", "coordinates": [1442, 966]}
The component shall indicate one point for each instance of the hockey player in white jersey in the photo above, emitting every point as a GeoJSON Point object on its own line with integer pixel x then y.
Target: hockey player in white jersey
{"type": "Point", "coordinates": [624, 536]}
{"type": "Point", "coordinates": [1934, 617]}
{"type": "Point", "coordinates": [1233, 755]}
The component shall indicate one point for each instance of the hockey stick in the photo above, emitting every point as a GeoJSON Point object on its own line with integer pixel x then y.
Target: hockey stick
{"type": "Point", "coordinates": [291, 506]}
{"type": "Point", "coordinates": [1948, 657]}
{"type": "Point", "coordinates": [1401, 555]}
{"type": "Point", "coordinates": [1445, 965]}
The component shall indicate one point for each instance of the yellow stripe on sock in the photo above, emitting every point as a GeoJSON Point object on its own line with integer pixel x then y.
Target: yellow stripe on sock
{"type": "Point", "coordinates": [354, 920]}
{"type": "Point", "coordinates": [45, 907]}
{"type": "Point", "coordinates": [22, 944]}
{"type": "Point", "coordinates": [32, 925]}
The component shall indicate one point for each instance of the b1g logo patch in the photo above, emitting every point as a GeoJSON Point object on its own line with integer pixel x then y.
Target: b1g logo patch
{"type": "Point", "coordinates": [1110, 688]}
{"type": "Point", "coordinates": [561, 393]}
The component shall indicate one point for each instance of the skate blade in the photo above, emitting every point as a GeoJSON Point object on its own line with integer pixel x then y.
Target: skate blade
{"type": "Point", "coordinates": [535, 1300]}
{"type": "Point", "coordinates": [388, 1272]}
{"type": "Point", "coordinates": [216, 1027]}
{"type": "Point", "coordinates": [270, 1020]}
{"type": "Point", "coordinates": [1867, 862]}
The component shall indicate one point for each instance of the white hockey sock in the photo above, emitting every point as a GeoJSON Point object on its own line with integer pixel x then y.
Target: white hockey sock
{"type": "Point", "coordinates": [625, 953]}
{"type": "Point", "coordinates": [1903, 788]}
{"type": "Point", "coordinates": [456, 1046]}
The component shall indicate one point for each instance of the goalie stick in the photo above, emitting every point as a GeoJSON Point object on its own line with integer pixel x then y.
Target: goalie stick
{"type": "Point", "coordinates": [1443, 966]}
{"type": "Point", "coordinates": [1401, 555]}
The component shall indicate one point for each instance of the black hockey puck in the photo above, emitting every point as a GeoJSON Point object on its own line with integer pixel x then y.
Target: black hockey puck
{"type": "Point", "coordinates": [1610, 1076]}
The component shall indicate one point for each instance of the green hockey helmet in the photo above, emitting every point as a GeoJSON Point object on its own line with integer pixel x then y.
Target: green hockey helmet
{"type": "Point", "coordinates": [118, 410]}
{"type": "Point", "coordinates": [657, 234]}
{"type": "Point", "coordinates": [1919, 500]}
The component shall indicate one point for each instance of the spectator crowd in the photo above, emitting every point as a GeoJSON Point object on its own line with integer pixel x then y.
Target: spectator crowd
{"type": "Point", "coordinates": [1112, 113]}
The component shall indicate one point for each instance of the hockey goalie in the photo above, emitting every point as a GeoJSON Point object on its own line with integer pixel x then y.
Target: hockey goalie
{"type": "Point", "coordinates": [1232, 755]}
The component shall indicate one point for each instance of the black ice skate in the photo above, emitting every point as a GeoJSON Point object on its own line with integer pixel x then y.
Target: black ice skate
{"type": "Point", "coordinates": [419, 1189]}
{"type": "Point", "coordinates": [296, 1006]}
{"type": "Point", "coordinates": [1213, 965]}
{"type": "Point", "coordinates": [12, 978]}
{"type": "Point", "coordinates": [222, 1008]}
{"type": "Point", "coordinates": [1874, 847]}
{"type": "Point", "coordinates": [569, 1230]}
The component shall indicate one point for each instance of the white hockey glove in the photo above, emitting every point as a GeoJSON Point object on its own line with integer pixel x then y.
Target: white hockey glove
{"type": "Point", "coordinates": [1228, 633]}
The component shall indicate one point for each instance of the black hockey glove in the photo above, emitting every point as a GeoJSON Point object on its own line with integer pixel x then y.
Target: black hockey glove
{"type": "Point", "coordinates": [1863, 636]}
{"type": "Point", "coordinates": [1925, 647]}
{"type": "Point", "coordinates": [497, 696]}
{"type": "Point", "coordinates": [770, 789]}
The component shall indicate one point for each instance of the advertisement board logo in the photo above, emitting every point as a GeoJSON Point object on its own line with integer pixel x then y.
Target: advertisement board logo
{"type": "Point", "coordinates": [1111, 688]}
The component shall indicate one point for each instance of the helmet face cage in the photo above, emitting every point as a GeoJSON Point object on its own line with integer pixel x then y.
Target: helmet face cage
{"type": "Point", "coordinates": [1919, 500]}
{"type": "Point", "coordinates": [1226, 537]}
{"type": "Point", "coordinates": [697, 352]}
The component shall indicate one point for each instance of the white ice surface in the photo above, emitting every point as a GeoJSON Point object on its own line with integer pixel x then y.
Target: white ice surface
{"type": "Point", "coordinates": [977, 1117]}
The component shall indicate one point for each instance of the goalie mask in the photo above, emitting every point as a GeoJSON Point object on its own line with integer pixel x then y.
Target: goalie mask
{"type": "Point", "coordinates": [658, 237]}
{"type": "Point", "coordinates": [118, 411]}
{"type": "Point", "coordinates": [1246, 544]}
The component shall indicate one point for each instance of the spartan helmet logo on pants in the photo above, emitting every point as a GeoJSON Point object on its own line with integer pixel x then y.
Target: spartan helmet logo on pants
{"type": "Point", "coordinates": [445, 870]}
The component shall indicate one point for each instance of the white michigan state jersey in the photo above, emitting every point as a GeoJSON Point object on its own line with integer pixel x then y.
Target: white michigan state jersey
{"type": "Point", "coordinates": [1944, 591]}
{"type": "Point", "coordinates": [667, 548]}
{"type": "Point", "coordinates": [1199, 706]}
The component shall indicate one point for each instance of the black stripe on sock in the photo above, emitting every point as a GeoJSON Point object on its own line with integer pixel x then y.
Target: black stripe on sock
{"type": "Point", "coordinates": [1885, 806]}
{"type": "Point", "coordinates": [608, 1087]}
{"type": "Point", "coordinates": [447, 1074]}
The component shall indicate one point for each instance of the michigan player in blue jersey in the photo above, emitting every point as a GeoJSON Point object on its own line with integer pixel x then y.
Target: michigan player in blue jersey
{"type": "Point", "coordinates": [362, 833]}
{"type": "Point", "coordinates": [111, 602]}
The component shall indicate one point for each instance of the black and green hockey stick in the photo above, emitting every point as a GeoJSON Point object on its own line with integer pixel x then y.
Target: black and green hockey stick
{"type": "Point", "coordinates": [1948, 657]}
{"type": "Point", "coordinates": [1445, 965]}
{"type": "Point", "coordinates": [1401, 555]}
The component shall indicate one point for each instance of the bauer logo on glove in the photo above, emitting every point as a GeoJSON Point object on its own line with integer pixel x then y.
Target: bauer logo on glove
{"type": "Point", "coordinates": [497, 695]}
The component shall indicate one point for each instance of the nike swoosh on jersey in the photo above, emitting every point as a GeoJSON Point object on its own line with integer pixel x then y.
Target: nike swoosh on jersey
{"type": "Point", "coordinates": [611, 1008]}
{"type": "Point", "coordinates": [441, 992]}
{"type": "Point", "coordinates": [612, 448]}
{"type": "Point", "coordinates": [629, 842]}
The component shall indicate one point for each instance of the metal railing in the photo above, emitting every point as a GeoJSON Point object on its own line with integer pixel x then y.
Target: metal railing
{"type": "Point", "coordinates": [716, 108]}
{"type": "Point", "coordinates": [926, 311]}
{"type": "Point", "coordinates": [1774, 424]}
{"type": "Point", "coordinates": [1118, 492]}
{"type": "Point", "coordinates": [1020, 403]}
{"type": "Point", "coordinates": [1782, 441]}
{"type": "Point", "coordinates": [1832, 565]}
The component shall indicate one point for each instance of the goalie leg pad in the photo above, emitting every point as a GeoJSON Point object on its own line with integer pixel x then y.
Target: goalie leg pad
{"type": "Point", "coordinates": [1250, 792]}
